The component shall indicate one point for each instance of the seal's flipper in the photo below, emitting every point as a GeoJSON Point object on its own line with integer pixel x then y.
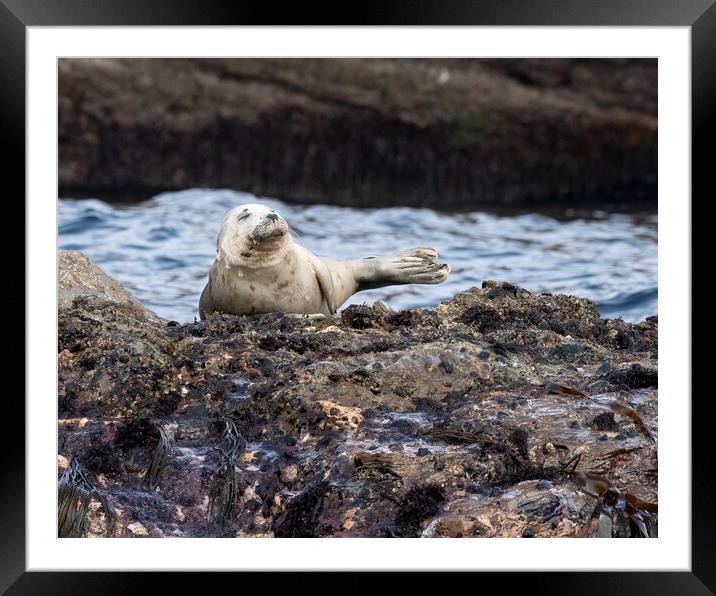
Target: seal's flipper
{"type": "Point", "coordinates": [413, 266]}
{"type": "Point", "coordinates": [325, 281]}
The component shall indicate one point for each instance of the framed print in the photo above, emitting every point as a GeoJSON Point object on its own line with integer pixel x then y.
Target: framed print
{"type": "Point", "coordinates": [422, 275]}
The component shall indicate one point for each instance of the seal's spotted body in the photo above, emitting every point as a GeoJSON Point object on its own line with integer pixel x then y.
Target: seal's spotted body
{"type": "Point", "coordinates": [259, 269]}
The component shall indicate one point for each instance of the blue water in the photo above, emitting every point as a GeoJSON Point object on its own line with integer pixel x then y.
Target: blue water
{"type": "Point", "coordinates": [161, 250]}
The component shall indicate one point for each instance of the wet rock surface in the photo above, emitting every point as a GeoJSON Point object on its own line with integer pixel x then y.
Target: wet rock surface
{"type": "Point", "coordinates": [452, 421]}
{"type": "Point", "coordinates": [446, 134]}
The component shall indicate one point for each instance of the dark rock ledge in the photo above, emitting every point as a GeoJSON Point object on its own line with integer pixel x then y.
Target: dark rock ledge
{"type": "Point", "coordinates": [463, 420]}
{"type": "Point", "coordinates": [450, 134]}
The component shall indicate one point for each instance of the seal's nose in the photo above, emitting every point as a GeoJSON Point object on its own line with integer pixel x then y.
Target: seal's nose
{"type": "Point", "coordinates": [272, 216]}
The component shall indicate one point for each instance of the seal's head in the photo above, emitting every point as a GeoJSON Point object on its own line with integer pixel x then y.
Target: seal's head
{"type": "Point", "coordinates": [253, 236]}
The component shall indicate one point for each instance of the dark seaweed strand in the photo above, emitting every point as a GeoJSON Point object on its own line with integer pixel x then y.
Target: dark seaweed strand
{"type": "Point", "coordinates": [74, 494]}
{"type": "Point", "coordinates": [223, 488]}
{"type": "Point", "coordinates": [160, 459]}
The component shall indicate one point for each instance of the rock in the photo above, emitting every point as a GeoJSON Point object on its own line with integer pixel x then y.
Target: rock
{"type": "Point", "coordinates": [137, 529]}
{"type": "Point", "coordinates": [364, 132]}
{"type": "Point", "coordinates": [289, 474]}
{"type": "Point", "coordinates": [535, 505]}
{"type": "Point", "coordinates": [417, 505]}
{"type": "Point", "coordinates": [446, 366]}
{"type": "Point", "coordinates": [634, 376]}
{"type": "Point", "coordinates": [355, 432]}
{"type": "Point", "coordinates": [361, 316]}
{"type": "Point", "coordinates": [605, 421]}
{"type": "Point", "coordinates": [110, 346]}
{"type": "Point", "coordinates": [78, 277]}
{"type": "Point", "coordinates": [301, 519]}
{"type": "Point", "coordinates": [350, 417]}
{"type": "Point", "coordinates": [604, 527]}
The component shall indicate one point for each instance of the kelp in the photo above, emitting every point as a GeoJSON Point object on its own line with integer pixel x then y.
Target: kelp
{"type": "Point", "coordinates": [563, 453]}
{"type": "Point", "coordinates": [457, 437]}
{"type": "Point", "coordinates": [74, 495]}
{"type": "Point", "coordinates": [223, 487]}
{"type": "Point", "coordinates": [618, 452]}
{"type": "Point", "coordinates": [302, 514]}
{"type": "Point", "coordinates": [608, 461]}
{"type": "Point", "coordinates": [160, 458]}
{"type": "Point", "coordinates": [383, 463]}
{"type": "Point", "coordinates": [620, 511]}
{"type": "Point", "coordinates": [616, 406]}
{"type": "Point", "coordinates": [594, 485]}
{"type": "Point", "coordinates": [617, 512]}
{"type": "Point", "coordinates": [625, 410]}
{"type": "Point", "coordinates": [564, 390]}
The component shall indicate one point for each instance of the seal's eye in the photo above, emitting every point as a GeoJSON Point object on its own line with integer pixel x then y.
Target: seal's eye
{"type": "Point", "coordinates": [242, 217]}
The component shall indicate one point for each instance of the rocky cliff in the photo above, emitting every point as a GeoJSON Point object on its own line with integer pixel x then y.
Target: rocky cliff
{"type": "Point", "coordinates": [453, 134]}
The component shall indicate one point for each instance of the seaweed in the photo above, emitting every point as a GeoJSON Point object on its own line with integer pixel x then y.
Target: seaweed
{"type": "Point", "coordinates": [634, 377]}
{"type": "Point", "coordinates": [223, 487]}
{"type": "Point", "coordinates": [618, 512]}
{"type": "Point", "coordinates": [564, 390]}
{"type": "Point", "coordinates": [618, 452]}
{"type": "Point", "coordinates": [361, 316]}
{"type": "Point", "coordinates": [74, 495]}
{"type": "Point", "coordinates": [160, 458]}
{"type": "Point", "coordinates": [625, 410]}
{"type": "Point", "coordinates": [300, 520]}
{"type": "Point", "coordinates": [616, 406]}
{"type": "Point", "coordinates": [452, 436]}
{"type": "Point", "coordinates": [417, 504]}
{"type": "Point", "coordinates": [379, 462]}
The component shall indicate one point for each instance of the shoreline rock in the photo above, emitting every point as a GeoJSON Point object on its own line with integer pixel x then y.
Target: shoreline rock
{"type": "Point", "coordinates": [480, 417]}
{"type": "Point", "coordinates": [455, 134]}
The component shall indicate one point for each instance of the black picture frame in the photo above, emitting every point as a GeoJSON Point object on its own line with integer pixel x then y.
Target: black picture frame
{"type": "Point", "coordinates": [699, 15]}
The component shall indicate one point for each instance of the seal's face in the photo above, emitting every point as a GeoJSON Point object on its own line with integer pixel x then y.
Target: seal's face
{"type": "Point", "coordinates": [252, 236]}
